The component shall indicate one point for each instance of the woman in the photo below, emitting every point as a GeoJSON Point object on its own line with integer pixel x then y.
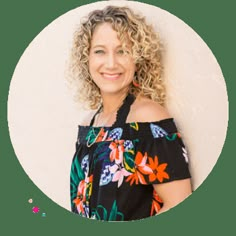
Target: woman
{"type": "Point", "coordinates": [130, 162]}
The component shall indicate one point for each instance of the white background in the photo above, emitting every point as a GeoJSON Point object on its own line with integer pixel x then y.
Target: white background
{"type": "Point", "coordinates": [43, 116]}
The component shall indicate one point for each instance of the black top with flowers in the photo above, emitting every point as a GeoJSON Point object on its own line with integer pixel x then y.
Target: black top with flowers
{"type": "Point", "coordinates": [114, 167]}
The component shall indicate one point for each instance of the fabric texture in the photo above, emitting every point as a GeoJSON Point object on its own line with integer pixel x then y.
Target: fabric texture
{"type": "Point", "coordinates": [114, 167]}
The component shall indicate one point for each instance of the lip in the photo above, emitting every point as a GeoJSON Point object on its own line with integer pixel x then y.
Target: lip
{"type": "Point", "coordinates": [109, 76]}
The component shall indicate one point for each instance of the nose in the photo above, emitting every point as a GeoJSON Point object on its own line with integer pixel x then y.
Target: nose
{"type": "Point", "coordinates": [111, 60]}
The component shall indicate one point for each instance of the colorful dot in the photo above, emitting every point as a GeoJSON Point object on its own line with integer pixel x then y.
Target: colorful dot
{"type": "Point", "coordinates": [35, 209]}
{"type": "Point", "coordinates": [43, 214]}
{"type": "Point", "coordinates": [30, 200]}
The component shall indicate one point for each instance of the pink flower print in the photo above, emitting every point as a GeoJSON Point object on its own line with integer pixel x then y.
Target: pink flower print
{"type": "Point", "coordinates": [119, 172]}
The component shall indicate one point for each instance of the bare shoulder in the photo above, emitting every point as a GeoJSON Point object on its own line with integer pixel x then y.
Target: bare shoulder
{"type": "Point", "coordinates": [146, 110]}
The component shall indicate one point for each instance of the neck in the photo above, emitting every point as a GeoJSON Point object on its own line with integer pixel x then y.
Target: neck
{"type": "Point", "coordinates": [112, 102]}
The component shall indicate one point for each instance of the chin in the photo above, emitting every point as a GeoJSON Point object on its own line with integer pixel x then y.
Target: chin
{"type": "Point", "coordinates": [113, 90]}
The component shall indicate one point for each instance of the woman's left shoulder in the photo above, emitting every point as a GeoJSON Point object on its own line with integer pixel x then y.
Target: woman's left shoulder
{"type": "Point", "coordinates": [146, 110]}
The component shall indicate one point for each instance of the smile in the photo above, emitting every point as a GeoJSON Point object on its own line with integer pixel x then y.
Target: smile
{"type": "Point", "coordinates": [111, 76]}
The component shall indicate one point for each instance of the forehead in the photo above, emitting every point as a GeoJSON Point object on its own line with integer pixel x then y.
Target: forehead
{"type": "Point", "coordinates": [104, 34]}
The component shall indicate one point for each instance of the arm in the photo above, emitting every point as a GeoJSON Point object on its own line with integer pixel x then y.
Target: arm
{"type": "Point", "coordinates": [172, 193]}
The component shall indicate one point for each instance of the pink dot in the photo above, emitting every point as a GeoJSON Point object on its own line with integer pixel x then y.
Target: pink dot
{"type": "Point", "coordinates": [35, 209]}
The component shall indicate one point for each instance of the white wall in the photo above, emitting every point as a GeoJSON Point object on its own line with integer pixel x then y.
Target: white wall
{"type": "Point", "coordinates": [43, 117]}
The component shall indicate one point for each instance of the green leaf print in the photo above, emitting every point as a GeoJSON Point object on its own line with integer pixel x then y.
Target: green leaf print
{"type": "Point", "coordinates": [113, 216]}
{"type": "Point", "coordinates": [129, 161]}
{"type": "Point", "coordinates": [104, 212]}
{"type": "Point", "coordinates": [76, 177]}
{"type": "Point", "coordinates": [171, 137]}
{"type": "Point", "coordinates": [92, 135]}
{"type": "Point", "coordinates": [114, 212]}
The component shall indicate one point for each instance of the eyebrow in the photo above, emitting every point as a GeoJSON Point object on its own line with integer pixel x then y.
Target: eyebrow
{"type": "Point", "coordinates": [103, 46]}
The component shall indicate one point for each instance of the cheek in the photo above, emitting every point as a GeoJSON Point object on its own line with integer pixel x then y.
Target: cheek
{"type": "Point", "coordinates": [94, 63]}
{"type": "Point", "coordinates": [131, 68]}
{"type": "Point", "coordinates": [91, 66]}
{"type": "Point", "coordinates": [129, 64]}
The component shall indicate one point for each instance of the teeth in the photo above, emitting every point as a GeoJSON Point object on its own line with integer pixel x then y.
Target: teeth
{"type": "Point", "coordinates": [112, 76]}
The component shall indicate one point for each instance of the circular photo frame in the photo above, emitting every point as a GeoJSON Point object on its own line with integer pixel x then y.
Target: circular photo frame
{"type": "Point", "coordinates": [43, 117]}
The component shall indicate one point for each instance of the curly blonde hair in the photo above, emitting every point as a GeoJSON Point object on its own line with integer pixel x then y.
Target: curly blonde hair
{"type": "Point", "coordinates": [145, 51]}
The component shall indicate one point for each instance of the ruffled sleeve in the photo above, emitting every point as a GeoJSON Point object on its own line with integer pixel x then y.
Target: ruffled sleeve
{"type": "Point", "coordinates": [160, 155]}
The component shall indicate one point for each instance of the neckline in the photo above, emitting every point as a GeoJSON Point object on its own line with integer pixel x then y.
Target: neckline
{"type": "Point", "coordinates": [129, 123]}
{"type": "Point", "coordinates": [121, 114]}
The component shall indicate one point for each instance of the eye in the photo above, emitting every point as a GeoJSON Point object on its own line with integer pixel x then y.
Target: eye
{"type": "Point", "coordinates": [121, 51]}
{"type": "Point", "coordinates": [99, 51]}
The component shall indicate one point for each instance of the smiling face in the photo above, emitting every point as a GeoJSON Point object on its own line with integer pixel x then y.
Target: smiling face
{"type": "Point", "coordinates": [111, 69]}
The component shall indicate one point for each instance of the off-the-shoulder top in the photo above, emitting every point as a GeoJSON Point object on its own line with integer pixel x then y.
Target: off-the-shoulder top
{"type": "Point", "coordinates": [114, 168]}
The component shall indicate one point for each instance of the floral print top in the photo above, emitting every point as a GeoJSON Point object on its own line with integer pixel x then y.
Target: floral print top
{"type": "Point", "coordinates": [113, 168]}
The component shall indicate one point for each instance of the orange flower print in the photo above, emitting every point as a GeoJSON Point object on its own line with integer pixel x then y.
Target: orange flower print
{"type": "Point", "coordinates": [158, 171]}
{"type": "Point", "coordinates": [141, 169]}
{"type": "Point", "coordinates": [101, 135]}
{"type": "Point", "coordinates": [117, 150]}
{"type": "Point", "coordinates": [84, 188]}
{"type": "Point", "coordinates": [136, 177]}
{"type": "Point", "coordinates": [80, 199]}
{"type": "Point", "coordinates": [156, 203]}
